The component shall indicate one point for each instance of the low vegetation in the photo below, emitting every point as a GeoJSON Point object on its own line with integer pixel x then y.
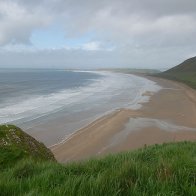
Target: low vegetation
{"type": "Point", "coordinates": [168, 169]}
{"type": "Point", "coordinates": [185, 72]}
{"type": "Point", "coordinates": [187, 78]}
{"type": "Point", "coordinates": [16, 145]}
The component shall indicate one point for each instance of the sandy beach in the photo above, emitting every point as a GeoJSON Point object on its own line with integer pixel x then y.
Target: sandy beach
{"type": "Point", "coordinates": [169, 116]}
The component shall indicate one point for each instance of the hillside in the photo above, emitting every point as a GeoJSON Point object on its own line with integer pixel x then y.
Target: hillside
{"type": "Point", "coordinates": [168, 169]}
{"type": "Point", "coordinates": [16, 145]}
{"type": "Point", "coordinates": [184, 72]}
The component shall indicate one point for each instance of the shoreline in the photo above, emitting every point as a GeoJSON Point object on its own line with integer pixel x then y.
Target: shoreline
{"type": "Point", "coordinates": [95, 139]}
{"type": "Point", "coordinates": [99, 118]}
{"type": "Point", "coordinates": [87, 104]}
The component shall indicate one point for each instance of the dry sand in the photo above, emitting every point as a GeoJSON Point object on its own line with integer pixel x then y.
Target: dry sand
{"type": "Point", "coordinates": [170, 115]}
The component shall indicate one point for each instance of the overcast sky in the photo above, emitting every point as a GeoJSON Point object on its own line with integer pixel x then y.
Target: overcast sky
{"type": "Point", "coordinates": [96, 33]}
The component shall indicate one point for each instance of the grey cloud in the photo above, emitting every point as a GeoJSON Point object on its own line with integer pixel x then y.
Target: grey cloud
{"type": "Point", "coordinates": [116, 18]}
{"type": "Point", "coordinates": [161, 58]}
{"type": "Point", "coordinates": [155, 30]}
{"type": "Point", "coordinates": [17, 22]}
{"type": "Point", "coordinates": [132, 21]}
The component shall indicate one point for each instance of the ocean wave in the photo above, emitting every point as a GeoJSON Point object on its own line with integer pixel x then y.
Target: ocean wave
{"type": "Point", "coordinates": [101, 91]}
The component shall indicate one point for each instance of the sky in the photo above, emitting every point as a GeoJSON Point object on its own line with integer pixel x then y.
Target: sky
{"type": "Point", "coordinates": [90, 34]}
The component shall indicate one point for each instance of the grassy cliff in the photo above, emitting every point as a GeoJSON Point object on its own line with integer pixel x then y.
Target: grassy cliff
{"type": "Point", "coordinates": [168, 169]}
{"type": "Point", "coordinates": [184, 72]}
{"type": "Point", "coordinates": [16, 145]}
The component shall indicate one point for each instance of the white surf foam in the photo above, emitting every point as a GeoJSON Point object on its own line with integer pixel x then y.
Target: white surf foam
{"type": "Point", "coordinates": [106, 88]}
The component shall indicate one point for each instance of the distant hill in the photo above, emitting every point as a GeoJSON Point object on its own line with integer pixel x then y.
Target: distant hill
{"type": "Point", "coordinates": [184, 72]}
{"type": "Point", "coordinates": [16, 145]}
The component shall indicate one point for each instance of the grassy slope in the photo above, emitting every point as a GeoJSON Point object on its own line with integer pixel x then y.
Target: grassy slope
{"type": "Point", "coordinates": [187, 78]}
{"type": "Point", "coordinates": [16, 145]}
{"type": "Point", "coordinates": [168, 169]}
{"type": "Point", "coordinates": [185, 72]}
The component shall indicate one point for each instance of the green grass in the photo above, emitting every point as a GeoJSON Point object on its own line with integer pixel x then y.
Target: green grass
{"type": "Point", "coordinates": [184, 72]}
{"type": "Point", "coordinates": [16, 145]}
{"type": "Point", "coordinates": [188, 78]}
{"type": "Point", "coordinates": [168, 169]}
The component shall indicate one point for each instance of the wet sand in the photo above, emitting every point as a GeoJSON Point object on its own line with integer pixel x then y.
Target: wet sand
{"type": "Point", "coordinates": [170, 115]}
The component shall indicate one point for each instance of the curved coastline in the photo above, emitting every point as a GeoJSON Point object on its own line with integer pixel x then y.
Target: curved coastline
{"type": "Point", "coordinates": [97, 138]}
{"type": "Point", "coordinates": [113, 92]}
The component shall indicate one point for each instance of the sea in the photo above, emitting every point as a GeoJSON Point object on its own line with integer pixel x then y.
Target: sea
{"type": "Point", "coordinates": [51, 104]}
